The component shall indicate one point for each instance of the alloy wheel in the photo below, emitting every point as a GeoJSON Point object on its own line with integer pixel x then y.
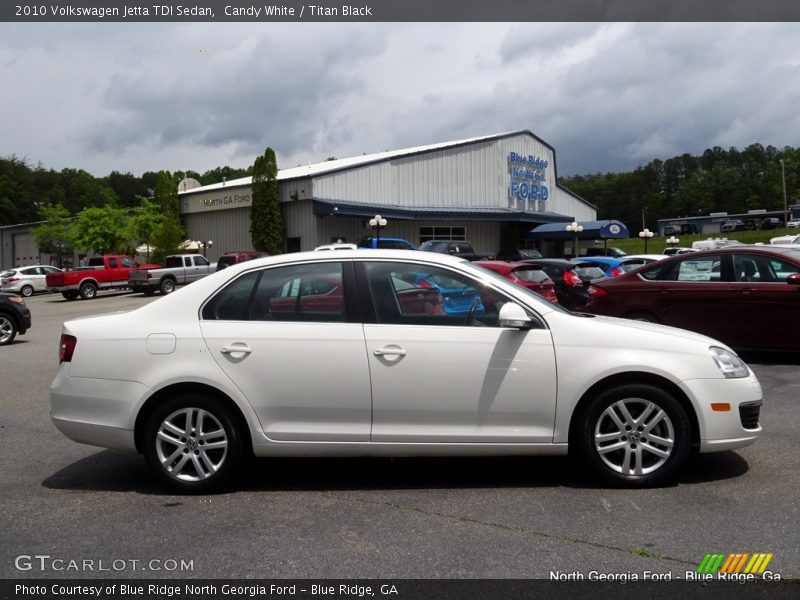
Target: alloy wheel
{"type": "Point", "coordinates": [191, 444]}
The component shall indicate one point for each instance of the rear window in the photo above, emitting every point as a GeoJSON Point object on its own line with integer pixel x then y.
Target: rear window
{"type": "Point", "coordinates": [589, 272]}
{"type": "Point", "coordinates": [173, 261]}
{"type": "Point", "coordinates": [531, 275]}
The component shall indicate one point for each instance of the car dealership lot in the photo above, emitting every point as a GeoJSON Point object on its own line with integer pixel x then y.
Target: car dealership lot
{"type": "Point", "coordinates": [499, 517]}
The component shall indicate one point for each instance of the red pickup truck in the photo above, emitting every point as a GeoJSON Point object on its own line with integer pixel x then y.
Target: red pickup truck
{"type": "Point", "coordinates": [103, 272]}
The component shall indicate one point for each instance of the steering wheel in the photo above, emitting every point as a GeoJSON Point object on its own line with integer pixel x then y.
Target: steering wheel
{"type": "Point", "coordinates": [471, 314]}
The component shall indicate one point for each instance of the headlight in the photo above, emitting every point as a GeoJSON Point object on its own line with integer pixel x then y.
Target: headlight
{"type": "Point", "coordinates": [17, 299]}
{"type": "Point", "coordinates": [730, 365]}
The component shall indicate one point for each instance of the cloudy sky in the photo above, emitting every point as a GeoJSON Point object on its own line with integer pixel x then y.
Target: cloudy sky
{"type": "Point", "coordinates": [145, 97]}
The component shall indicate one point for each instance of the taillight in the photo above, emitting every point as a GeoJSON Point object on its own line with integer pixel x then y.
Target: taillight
{"type": "Point", "coordinates": [550, 294]}
{"type": "Point", "coordinates": [596, 292]}
{"type": "Point", "coordinates": [571, 279]}
{"type": "Point", "coordinates": [12, 279]}
{"type": "Point", "coordinates": [615, 272]}
{"type": "Point", "coordinates": [66, 348]}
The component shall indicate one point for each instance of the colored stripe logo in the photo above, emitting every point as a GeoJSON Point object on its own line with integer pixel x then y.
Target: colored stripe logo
{"type": "Point", "coordinates": [736, 562]}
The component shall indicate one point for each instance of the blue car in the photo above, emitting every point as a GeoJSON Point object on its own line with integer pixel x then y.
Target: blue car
{"type": "Point", "coordinates": [387, 243]}
{"type": "Point", "coordinates": [612, 267]}
{"type": "Point", "coordinates": [459, 300]}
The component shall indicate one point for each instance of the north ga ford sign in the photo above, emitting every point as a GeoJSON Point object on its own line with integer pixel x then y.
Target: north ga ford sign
{"type": "Point", "coordinates": [217, 201]}
{"type": "Point", "coordinates": [527, 177]}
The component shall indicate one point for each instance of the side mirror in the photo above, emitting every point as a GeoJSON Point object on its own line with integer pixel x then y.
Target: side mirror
{"type": "Point", "coordinates": [793, 279]}
{"type": "Point", "coordinates": [513, 316]}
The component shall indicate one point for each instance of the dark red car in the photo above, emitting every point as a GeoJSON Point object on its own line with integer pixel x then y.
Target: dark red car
{"type": "Point", "coordinates": [533, 278]}
{"type": "Point", "coordinates": [745, 296]}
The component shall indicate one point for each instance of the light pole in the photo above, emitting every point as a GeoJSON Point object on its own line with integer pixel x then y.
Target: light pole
{"type": "Point", "coordinates": [576, 229]}
{"type": "Point", "coordinates": [672, 241]}
{"type": "Point", "coordinates": [207, 245]}
{"type": "Point", "coordinates": [377, 223]}
{"type": "Point", "coordinates": [646, 234]}
{"type": "Point", "coordinates": [785, 206]}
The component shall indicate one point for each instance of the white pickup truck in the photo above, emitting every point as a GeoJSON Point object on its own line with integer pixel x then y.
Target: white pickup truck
{"type": "Point", "coordinates": [178, 269]}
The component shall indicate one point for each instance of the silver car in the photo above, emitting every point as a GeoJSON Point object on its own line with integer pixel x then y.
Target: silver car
{"type": "Point", "coordinates": [26, 280]}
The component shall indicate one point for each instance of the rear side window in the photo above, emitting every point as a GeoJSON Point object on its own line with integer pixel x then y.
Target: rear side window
{"type": "Point", "coordinates": [292, 293]}
{"type": "Point", "coordinates": [172, 262]}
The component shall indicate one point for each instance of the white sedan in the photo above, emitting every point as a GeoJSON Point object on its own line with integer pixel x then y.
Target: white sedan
{"type": "Point", "coordinates": [351, 353]}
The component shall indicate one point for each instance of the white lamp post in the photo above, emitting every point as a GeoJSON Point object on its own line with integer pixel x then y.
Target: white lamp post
{"type": "Point", "coordinates": [206, 246]}
{"type": "Point", "coordinates": [377, 223]}
{"type": "Point", "coordinates": [576, 229]}
{"type": "Point", "coordinates": [672, 241]}
{"type": "Point", "coordinates": [646, 234]}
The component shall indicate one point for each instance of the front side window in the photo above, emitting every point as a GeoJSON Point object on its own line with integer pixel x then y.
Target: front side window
{"type": "Point", "coordinates": [292, 293]}
{"type": "Point", "coordinates": [412, 294]}
{"type": "Point", "coordinates": [757, 268]}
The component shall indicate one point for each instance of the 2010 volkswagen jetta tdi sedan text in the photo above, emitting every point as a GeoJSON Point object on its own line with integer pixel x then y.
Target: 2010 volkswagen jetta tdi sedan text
{"type": "Point", "coordinates": [354, 354]}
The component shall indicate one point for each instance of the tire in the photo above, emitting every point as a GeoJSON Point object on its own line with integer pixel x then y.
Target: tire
{"type": "Point", "coordinates": [70, 294]}
{"type": "Point", "coordinates": [167, 286]}
{"type": "Point", "coordinates": [8, 329]}
{"type": "Point", "coordinates": [634, 436]}
{"type": "Point", "coordinates": [26, 291]}
{"type": "Point", "coordinates": [88, 291]}
{"type": "Point", "coordinates": [185, 463]}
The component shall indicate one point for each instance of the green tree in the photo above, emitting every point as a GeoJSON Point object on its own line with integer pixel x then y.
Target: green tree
{"type": "Point", "coordinates": [166, 195]}
{"type": "Point", "coordinates": [56, 234]}
{"type": "Point", "coordinates": [266, 219]}
{"type": "Point", "coordinates": [145, 223]}
{"type": "Point", "coordinates": [102, 229]}
{"type": "Point", "coordinates": [167, 236]}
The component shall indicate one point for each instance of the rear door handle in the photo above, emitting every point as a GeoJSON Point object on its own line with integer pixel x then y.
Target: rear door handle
{"type": "Point", "coordinates": [389, 352]}
{"type": "Point", "coordinates": [235, 348]}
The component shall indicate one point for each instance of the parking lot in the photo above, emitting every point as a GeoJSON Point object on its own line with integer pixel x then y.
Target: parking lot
{"type": "Point", "coordinates": [374, 518]}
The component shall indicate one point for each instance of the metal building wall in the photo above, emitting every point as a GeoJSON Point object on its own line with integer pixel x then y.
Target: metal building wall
{"type": "Point", "coordinates": [229, 230]}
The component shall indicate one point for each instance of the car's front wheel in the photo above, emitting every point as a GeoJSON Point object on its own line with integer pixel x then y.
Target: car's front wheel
{"type": "Point", "coordinates": [8, 330]}
{"type": "Point", "coordinates": [193, 443]}
{"type": "Point", "coordinates": [634, 435]}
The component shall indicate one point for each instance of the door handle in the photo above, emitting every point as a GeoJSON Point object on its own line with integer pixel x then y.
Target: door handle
{"type": "Point", "coordinates": [390, 352]}
{"type": "Point", "coordinates": [244, 349]}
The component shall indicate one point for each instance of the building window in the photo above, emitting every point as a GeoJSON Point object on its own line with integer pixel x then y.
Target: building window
{"type": "Point", "coordinates": [442, 233]}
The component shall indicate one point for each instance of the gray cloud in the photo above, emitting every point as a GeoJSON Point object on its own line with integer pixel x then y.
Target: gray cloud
{"type": "Point", "coordinates": [135, 97]}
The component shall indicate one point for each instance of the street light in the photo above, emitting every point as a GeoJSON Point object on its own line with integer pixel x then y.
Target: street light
{"type": "Point", "coordinates": [576, 229]}
{"type": "Point", "coordinates": [785, 206]}
{"type": "Point", "coordinates": [377, 223]}
{"type": "Point", "coordinates": [207, 245]}
{"type": "Point", "coordinates": [672, 241]}
{"type": "Point", "coordinates": [646, 234]}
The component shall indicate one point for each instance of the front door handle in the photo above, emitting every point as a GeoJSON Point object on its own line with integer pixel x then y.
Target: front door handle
{"type": "Point", "coordinates": [235, 348]}
{"type": "Point", "coordinates": [389, 352]}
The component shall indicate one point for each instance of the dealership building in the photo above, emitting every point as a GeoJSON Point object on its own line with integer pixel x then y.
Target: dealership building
{"type": "Point", "coordinates": [490, 190]}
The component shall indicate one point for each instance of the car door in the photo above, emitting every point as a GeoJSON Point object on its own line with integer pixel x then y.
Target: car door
{"type": "Point", "coordinates": [765, 306]}
{"type": "Point", "coordinates": [694, 294]}
{"type": "Point", "coordinates": [457, 378]}
{"type": "Point", "coordinates": [300, 362]}
{"type": "Point", "coordinates": [200, 269]}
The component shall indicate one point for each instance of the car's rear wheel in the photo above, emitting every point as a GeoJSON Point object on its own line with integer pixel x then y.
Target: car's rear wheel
{"type": "Point", "coordinates": [634, 436]}
{"type": "Point", "coordinates": [88, 291]}
{"type": "Point", "coordinates": [193, 444]}
{"type": "Point", "coordinates": [167, 286]}
{"type": "Point", "coordinates": [26, 291]}
{"type": "Point", "coordinates": [8, 330]}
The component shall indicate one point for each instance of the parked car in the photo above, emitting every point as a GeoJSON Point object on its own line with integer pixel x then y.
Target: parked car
{"type": "Point", "coordinates": [713, 243]}
{"type": "Point", "coordinates": [15, 317]}
{"type": "Point", "coordinates": [571, 280]}
{"type": "Point", "coordinates": [103, 272]}
{"type": "Point", "coordinates": [609, 251]}
{"type": "Point", "coordinates": [234, 258]}
{"type": "Point", "coordinates": [771, 223]}
{"type": "Point", "coordinates": [746, 296]}
{"type": "Point", "coordinates": [453, 248]}
{"type": "Point", "coordinates": [733, 225]}
{"type": "Point", "coordinates": [528, 276]}
{"type": "Point", "coordinates": [387, 243]}
{"type": "Point", "coordinates": [518, 254]}
{"type": "Point", "coordinates": [336, 246]}
{"type": "Point", "coordinates": [178, 269]}
{"type": "Point", "coordinates": [672, 251]}
{"type": "Point", "coordinates": [611, 267]}
{"type": "Point", "coordinates": [792, 223]}
{"type": "Point", "coordinates": [26, 280]}
{"type": "Point", "coordinates": [631, 400]}
{"type": "Point", "coordinates": [785, 239]}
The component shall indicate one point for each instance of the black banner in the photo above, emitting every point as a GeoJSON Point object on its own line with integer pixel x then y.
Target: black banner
{"type": "Point", "coordinates": [400, 589]}
{"type": "Point", "coordinates": [398, 10]}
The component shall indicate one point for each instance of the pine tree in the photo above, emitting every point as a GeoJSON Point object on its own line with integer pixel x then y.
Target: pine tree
{"type": "Point", "coordinates": [266, 219]}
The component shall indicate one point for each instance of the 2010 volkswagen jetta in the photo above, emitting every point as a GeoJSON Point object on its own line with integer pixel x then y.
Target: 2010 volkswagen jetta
{"type": "Point", "coordinates": [346, 353]}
